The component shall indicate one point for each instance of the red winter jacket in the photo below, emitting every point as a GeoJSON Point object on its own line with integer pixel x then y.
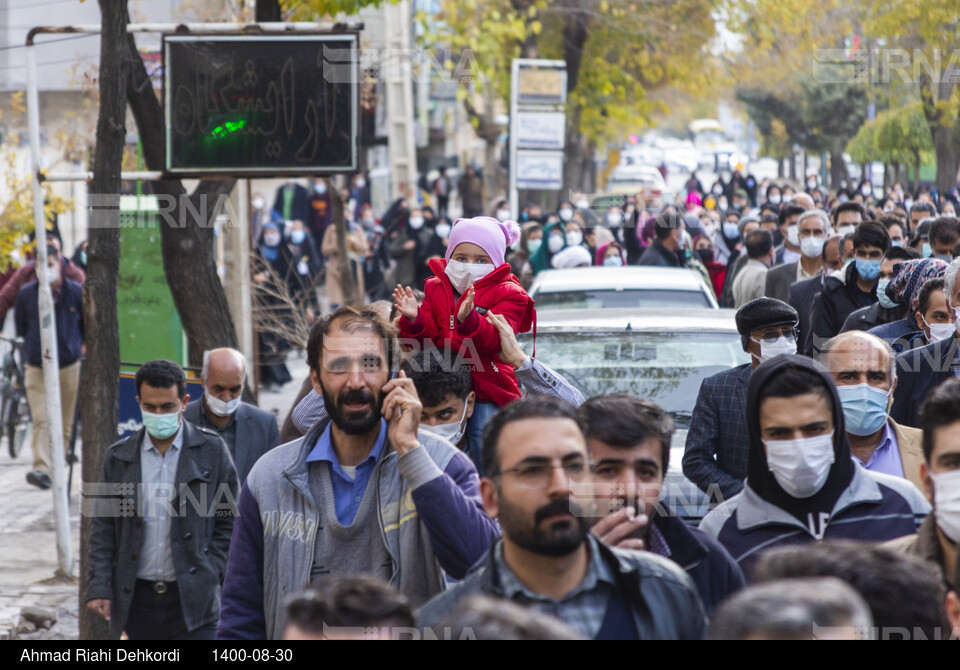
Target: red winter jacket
{"type": "Point", "coordinates": [477, 341]}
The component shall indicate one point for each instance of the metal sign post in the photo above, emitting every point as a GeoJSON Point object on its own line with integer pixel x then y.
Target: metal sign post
{"type": "Point", "coordinates": [538, 93]}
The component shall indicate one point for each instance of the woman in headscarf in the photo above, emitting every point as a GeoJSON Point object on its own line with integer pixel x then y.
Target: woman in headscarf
{"type": "Point", "coordinates": [704, 248]}
{"type": "Point", "coordinates": [802, 485]}
{"type": "Point", "coordinates": [902, 291]}
{"type": "Point", "coordinates": [610, 254]}
{"type": "Point", "coordinates": [554, 240]}
{"type": "Point", "coordinates": [273, 266]}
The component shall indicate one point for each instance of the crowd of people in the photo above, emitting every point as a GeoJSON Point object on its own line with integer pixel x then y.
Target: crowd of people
{"type": "Point", "coordinates": [434, 479]}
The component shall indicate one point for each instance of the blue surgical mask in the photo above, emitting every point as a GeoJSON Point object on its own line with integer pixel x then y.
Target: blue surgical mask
{"type": "Point", "coordinates": [533, 246]}
{"type": "Point", "coordinates": [864, 408]}
{"type": "Point", "coordinates": [868, 269]}
{"type": "Point", "coordinates": [298, 236]}
{"type": "Point", "coordinates": [731, 231]}
{"type": "Point", "coordinates": [885, 301]}
{"type": "Point", "coordinates": [927, 250]}
{"type": "Point", "coordinates": [161, 426]}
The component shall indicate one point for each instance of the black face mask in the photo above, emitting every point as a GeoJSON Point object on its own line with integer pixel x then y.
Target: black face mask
{"type": "Point", "coordinates": [706, 255]}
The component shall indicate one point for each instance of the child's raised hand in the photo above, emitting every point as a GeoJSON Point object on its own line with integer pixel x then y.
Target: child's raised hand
{"type": "Point", "coordinates": [466, 306]}
{"type": "Point", "coordinates": [405, 303]}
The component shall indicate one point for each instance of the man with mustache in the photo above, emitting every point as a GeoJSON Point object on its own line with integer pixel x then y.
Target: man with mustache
{"type": "Point", "coordinates": [537, 483]}
{"type": "Point", "coordinates": [360, 493]}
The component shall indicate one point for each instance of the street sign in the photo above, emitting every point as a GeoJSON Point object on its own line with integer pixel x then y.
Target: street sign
{"type": "Point", "coordinates": [541, 130]}
{"type": "Point", "coordinates": [261, 105]}
{"type": "Point", "coordinates": [536, 86]}
{"type": "Point", "coordinates": [540, 170]}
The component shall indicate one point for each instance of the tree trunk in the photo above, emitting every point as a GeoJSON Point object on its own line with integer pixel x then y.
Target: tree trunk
{"type": "Point", "coordinates": [186, 234]}
{"type": "Point", "coordinates": [948, 158]}
{"type": "Point", "coordinates": [780, 168]}
{"type": "Point", "coordinates": [916, 171]}
{"type": "Point", "coordinates": [268, 10]}
{"type": "Point", "coordinates": [347, 284]}
{"type": "Point", "coordinates": [793, 166]}
{"type": "Point", "coordinates": [838, 169]}
{"type": "Point", "coordinates": [98, 409]}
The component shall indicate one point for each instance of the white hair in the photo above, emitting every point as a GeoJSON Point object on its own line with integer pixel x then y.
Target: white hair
{"type": "Point", "coordinates": [950, 281]}
{"type": "Point", "coordinates": [206, 360]}
{"type": "Point", "coordinates": [816, 214]}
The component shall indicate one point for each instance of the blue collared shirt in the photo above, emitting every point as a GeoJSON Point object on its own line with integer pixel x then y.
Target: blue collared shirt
{"type": "Point", "coordinates": [348, 491]}
{"type": "Point", "coordinates": [159, 476]}
{"type": "Point", "coordinates": [886, 457]}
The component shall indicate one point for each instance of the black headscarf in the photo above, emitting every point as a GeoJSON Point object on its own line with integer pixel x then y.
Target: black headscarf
{"type": "Point", "coordinates": [759, 476]}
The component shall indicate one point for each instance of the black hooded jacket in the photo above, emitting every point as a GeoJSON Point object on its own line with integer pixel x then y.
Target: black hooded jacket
{"type": "Point", "coordinates": [761, 479]}
{"type": "Point", "coordinates": [853, 503]}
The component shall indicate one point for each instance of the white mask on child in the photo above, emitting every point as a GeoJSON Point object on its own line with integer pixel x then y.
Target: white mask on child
{"type": "Point", "coordinates": [464, 275]}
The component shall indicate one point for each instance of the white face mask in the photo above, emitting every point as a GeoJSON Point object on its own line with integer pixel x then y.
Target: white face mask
{"type": "Point", "coordinates": [503, 214]}
{"type": "Point", "coordinates": [775, 198]}
{"type": "Point", "coordinates": [53, 274]}
{"type": "Point", "coordinates": [271, 239]}
{"type": "Point", "coordinates": [583, 203]}
{"type": "Point", "coordinates": [452, 432]}
{"type": "Point", "coordinates": [801, 467]}
{"type": "Point", "coordinates": [946, 503]}
{"type": "Point", "coordinates": [793, 234]}
{"type": "Point", "coordinates": [565, 213]}
{"type": "Point", "coordinates": [219, 407]}
{"type": "Point", "coordinates": [258, 203]}
{"type": "Point", "coordinates": [847, 230]}
{"type": "Point", "coordinates": [416, 222]}
{"type": "Point", "coordinates": [574, 238]}
{"type": "Point", "coordinates": [940, 331]}
{"type": "Point", "coordinates": [320, 187]}
{"type": "Point", "coordinates": [464, 275]}
{"type": "Point", "coordinates": [555, 243]}
{"type": "Point", "coordinates": [361, 182]}
{"type": "Point", "coordinates": [812, 247]}
{"type": "Point", "coordinates": [613, 261]}
{"type": "Point", "coordinates": [614, 219]}
{"type": "Point", "coordinates": [770, 350]}
{"type": "Point", "coordinates": [787, 197]}
{"type": "Point", "coordinates": [443, 229]}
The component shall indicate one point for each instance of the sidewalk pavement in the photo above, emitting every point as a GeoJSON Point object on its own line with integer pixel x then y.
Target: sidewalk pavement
{"type": "Point", "coordinates": [28, 543]}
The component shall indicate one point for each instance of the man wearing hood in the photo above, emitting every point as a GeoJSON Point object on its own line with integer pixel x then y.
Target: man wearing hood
{"type": "Point", "coordinates": [857, 288]}
{"type": "Point", "coordinates": [802, 485]}
{"type": "Point", "coordinates": [716, 449]}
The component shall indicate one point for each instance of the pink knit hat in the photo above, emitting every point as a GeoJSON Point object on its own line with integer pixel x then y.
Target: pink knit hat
{"type": "Point", "coordinates": [487, 233]}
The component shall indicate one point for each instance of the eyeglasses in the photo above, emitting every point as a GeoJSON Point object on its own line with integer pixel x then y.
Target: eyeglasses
{"type": "Point", "coordinates": [537, 475]}
{"type": "Point", "coordinates": [772, 336]}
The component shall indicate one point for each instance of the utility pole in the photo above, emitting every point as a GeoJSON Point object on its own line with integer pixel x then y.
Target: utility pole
{"type": "Point", "coordinates": [399, 84]}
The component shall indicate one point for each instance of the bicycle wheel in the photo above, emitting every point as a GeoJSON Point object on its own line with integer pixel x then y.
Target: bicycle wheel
{"type": "Point", "coordinates": [17, 426]}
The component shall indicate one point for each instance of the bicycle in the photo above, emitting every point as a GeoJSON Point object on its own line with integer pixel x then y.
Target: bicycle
{"type": "Point", "coordinates": [15, 417]}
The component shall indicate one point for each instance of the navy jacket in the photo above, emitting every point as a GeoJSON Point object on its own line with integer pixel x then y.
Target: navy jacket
{"type": "Point", "coordinates": [874, 508]}
{"type": "Point", "coordinates": [899, 334]}
{"type": "Point", "coordinates": [836, 302]}
{"type": "Point", "coordinates": [659, 256]}
{"type": "Point", "coordinates": [712, 569]}
{"type": "Point", "coordinates": [919, 371]}
{"type": "Point", "coordinates": [68, 312]}
{"type": "Point", "coordinates": [717, 447]}
{"type": "Point", "coordinates": [256, 433]}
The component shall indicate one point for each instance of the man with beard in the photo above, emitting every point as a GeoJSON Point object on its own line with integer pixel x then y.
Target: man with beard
{"type": "Point", "coordinates": [360, 493]}
{"type": "Point", "coordinates": [534, 458]}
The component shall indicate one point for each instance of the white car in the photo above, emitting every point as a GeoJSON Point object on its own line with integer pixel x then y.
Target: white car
{"type": "Point", "coordinates": [659, 354]}
{"type": "Point", "coordinates": [629, 287]}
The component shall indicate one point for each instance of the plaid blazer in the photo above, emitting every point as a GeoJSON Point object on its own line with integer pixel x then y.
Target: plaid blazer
{"type": "Point", "coordinates": [717, 446]}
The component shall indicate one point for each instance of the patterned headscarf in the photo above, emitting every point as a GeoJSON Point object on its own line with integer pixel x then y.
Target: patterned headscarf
{"type": "Point", "coordinates": [910, 276]}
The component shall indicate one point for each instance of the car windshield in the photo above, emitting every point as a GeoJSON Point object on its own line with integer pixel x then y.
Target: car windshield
{"type": "Point", "coordinates": [626, 299]}
{"type": "Point", "coordinates": [665, 367]}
